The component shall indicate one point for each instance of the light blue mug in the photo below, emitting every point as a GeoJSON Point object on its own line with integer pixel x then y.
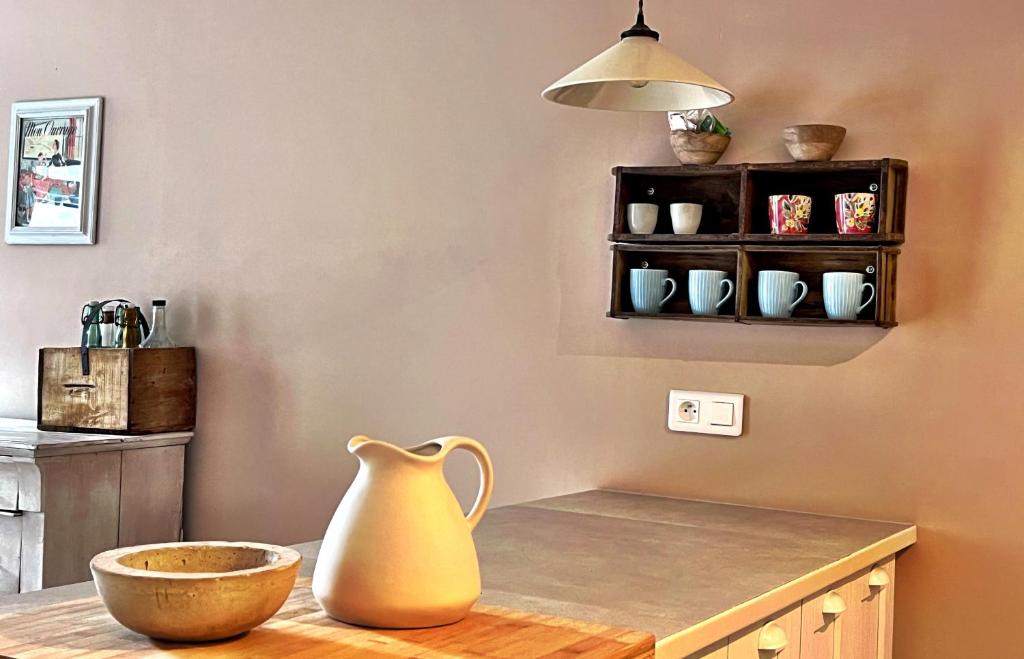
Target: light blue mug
{"type": "Point", "coordinates": [706, 296]}
{"type": "Point", "coordinates": [842, 293]}
{"type": "Point", "coordinates": [777, 293]}
{"type": "Point", "coordinates": [647, 289]}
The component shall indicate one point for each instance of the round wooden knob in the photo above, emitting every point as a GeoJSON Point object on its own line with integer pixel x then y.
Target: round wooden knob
{"type": "Point", "coordinates": [878, 578]}
{"type": "Point", "coordinates": [833, 604]}
{"type": "Point", "coordinates": [772, 638]}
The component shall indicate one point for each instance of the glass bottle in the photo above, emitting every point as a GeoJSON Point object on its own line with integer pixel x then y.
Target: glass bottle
{"type": "Point", "coordinates": [129, 335]}
{"type": "Point", "coordinates": [91, 318]}
{"type": "Point", "coordinates": [158, 336]}
{"type": "Point", "coordinates": [107, 329]}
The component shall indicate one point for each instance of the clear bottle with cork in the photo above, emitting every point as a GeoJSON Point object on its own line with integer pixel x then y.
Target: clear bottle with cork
{"type": "Point", "coordinates": [158, 336]}
{"type": "Point", "coordinates": [108, 331]}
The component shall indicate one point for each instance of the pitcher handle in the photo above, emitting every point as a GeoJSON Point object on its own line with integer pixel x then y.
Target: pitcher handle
{"type": "Point", "coordinates": [483, 461]}
{"type": "Point", "coordinates": [732, 289]}
{"type": "Point", "coordinates": [870, 297]}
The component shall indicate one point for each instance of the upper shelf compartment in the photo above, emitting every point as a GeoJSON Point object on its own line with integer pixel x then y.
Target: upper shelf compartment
{"type": "Point", "coordinates": [736, 200]}
{"type": "Point", "coordinates": [717, 188]}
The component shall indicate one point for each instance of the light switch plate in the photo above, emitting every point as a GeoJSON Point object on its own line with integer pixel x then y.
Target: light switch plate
{"type": "Point", "coordinates": [713, 414]}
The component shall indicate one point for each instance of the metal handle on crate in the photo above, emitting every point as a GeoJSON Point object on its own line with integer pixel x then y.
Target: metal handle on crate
{"type": "Point", "coordinates": [92, 316]}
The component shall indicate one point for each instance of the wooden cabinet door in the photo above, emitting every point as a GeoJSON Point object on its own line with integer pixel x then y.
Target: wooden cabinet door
{"type": "Point", "coordinates": [858, 625]}
{"type": "Point", "coordinates": [819, 621]}
{"type": "Point", "coordinates": [852, 620]}
{"type": "Point", "coordinates": [776, 638]}
{"type": "Point", "coordinates": [883, 577]}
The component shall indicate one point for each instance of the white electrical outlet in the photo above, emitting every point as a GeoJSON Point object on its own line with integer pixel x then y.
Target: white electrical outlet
{"type": "Point", "coordinates": [704, 412]}
{"type": "Point", "coordinates": [688, 411]}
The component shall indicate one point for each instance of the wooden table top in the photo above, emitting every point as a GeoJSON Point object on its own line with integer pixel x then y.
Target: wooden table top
{"type": "Point", "coordinates": [20, 438]}
{"type": "Point", "coordinates": [83, 628]}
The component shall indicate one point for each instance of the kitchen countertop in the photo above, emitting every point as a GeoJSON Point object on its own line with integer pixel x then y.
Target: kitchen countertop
{"type": "Point", "coordinates": [667, 565]}
{"type": "Point", "coordinates": [19, 438]}
{"type": "Point", "coordinates": [689, 571]}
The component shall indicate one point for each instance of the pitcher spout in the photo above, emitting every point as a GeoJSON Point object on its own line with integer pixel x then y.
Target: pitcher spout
{"type": "Point", "coordinates": [358, 441]}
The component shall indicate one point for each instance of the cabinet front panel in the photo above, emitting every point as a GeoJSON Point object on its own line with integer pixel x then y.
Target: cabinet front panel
{"type": "Point", "coordinates": [885, 610]}
{"type": "Point", "coordinates": [817, 633]}
{"type": "Point", "coordinates": [10, 553]}
{"type": "Point", "coordinates": [860, 621]}
{"type": "Point", "coordinates": [151, 487]}
{"type": "Point", "coordinates": [81, 497]}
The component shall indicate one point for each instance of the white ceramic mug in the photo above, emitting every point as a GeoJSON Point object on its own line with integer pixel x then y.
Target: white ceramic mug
{"type": "Point", "coordinates": [777, 293]}
{"type": "Point", "coordinates": [642, 218]}
{"type": "Point", "coordinates": [647, 289]}
{"type": "Point", "coordinates": [705, 291]}
{"type": "Point", "coordinates": [685, 217]}
{"type": "Point", "coordinates": [842, 293]}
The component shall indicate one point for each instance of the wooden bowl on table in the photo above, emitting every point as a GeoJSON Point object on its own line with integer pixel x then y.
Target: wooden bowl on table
{"type": "Point", "coordinates": [693, 148]}
{"type": "Point", "coordinates": [195, 591]}
{"type": "Point", "coordinates": [813, 142]}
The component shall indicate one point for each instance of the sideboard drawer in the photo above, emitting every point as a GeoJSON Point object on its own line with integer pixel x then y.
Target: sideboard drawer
{"type": "Point", "coordinates": [8, 486]}
{"type": "Point", "coordinates": [19, 485]}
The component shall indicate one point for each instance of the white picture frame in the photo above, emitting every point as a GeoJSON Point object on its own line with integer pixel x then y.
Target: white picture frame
{"type": "Point", "coordinates": [53, 172]}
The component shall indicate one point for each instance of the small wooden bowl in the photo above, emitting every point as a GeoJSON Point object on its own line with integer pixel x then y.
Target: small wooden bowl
{"type": "Point", "coordinates": [813, 142]}
{"type": "Point", "coordinates": [693, 148]}
{"type": "Point", "coordinates": [195, 591]}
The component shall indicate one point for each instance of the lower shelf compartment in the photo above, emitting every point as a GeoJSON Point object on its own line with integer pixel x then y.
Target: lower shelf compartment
{"type": "Point", "coordinates": [740, 268]}
{"type": "Point", "coordinates": [751, 320]}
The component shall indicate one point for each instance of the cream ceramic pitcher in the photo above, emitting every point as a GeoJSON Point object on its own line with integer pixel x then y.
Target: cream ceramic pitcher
{"type": "Point", "coordinates": [399, 552]}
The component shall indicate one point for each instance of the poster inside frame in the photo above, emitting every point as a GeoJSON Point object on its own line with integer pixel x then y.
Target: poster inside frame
{"type": "Point", "coordinates": [53, 172]}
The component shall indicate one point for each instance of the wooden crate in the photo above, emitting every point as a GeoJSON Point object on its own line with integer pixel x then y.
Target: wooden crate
{"type": "Point", "coordinates": [134, 391]}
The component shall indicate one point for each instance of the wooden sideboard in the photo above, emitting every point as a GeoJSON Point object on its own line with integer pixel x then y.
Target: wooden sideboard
{"type": "Point", "coordinates": [65, 497]}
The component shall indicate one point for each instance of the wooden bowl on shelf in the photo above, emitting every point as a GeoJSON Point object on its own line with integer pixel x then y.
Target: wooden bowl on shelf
{"type": "Point", "coordinates": [195, 591]}
{"type": "Point", "coordinates": [693, 148]}
{"type": "Point", "coordinates": [813, 142]}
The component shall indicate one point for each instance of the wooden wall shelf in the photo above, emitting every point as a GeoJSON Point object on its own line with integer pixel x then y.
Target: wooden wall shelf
{"type": "Point", "coordinates": [735, 236]}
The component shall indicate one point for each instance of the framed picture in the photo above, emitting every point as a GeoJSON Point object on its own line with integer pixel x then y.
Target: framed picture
{"type": "Point", "coordinates": [53, 172]}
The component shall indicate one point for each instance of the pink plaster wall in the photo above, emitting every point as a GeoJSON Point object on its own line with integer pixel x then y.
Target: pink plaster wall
{"type": "Point", "coordinates": [368, 221]}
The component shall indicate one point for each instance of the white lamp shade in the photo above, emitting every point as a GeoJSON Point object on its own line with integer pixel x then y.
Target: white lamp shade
{"type": "Point", "coordinates": [638, 74]}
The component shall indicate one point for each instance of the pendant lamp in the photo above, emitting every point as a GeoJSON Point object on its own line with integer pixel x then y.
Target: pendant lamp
{"type": "Point", "coordinates": [639, 74]}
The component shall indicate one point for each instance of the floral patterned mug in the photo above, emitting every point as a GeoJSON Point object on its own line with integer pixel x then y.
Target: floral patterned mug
{"type": "Point", "coordinates": [789, 213]}
{"type": "Point", "coordinates": [855, 212]}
